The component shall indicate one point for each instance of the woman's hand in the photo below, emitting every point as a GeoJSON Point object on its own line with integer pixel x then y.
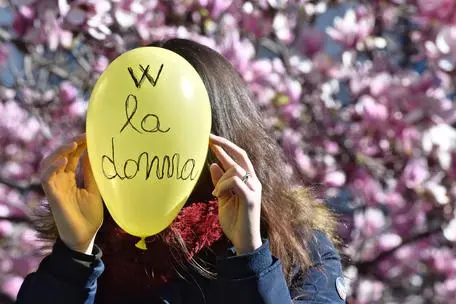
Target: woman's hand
{"type": "Point", "coordinates": [78, 212]}
{"type": "Point", "coordinates": [239, 197]}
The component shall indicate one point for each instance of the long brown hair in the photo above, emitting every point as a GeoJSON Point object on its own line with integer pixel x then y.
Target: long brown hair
{"type": "Point", "coordinates": [290, 213]}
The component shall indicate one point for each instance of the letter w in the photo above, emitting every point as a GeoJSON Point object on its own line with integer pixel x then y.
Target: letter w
{"type": "Point", "coordinates": [145, 75]}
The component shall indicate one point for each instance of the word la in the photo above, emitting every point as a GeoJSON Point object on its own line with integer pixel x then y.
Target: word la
{"type": "Point", "coordinates": [150, 122]}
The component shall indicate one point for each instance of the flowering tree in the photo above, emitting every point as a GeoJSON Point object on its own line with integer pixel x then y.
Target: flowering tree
{"type": "Point", "coordinates": [369, 127]}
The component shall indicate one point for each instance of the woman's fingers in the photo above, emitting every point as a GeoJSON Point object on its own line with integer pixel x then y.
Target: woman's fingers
{"type": "Point", "coordinates": [229, 165]}
{"type": "Point", "coordinates": [89, 179]}
{"type": "Point", "coordinates": [79, 139]}
{"type": "Point", "coordinates": [216, 173]}
{"type": "Point", "coordinates": [49, 172]}
{"type": "Point", "coordinates": [226, 160]}
{"type": "Point", "coordinates": [230, 185]}
{"type": "Point", "coordinates": [74, 156]}
{"type": "Point", "coordinates": [239, 172]}
{"type": "Point", "coordinates": [62, 151]}
{"type": "Point", "coordinates": [234, 152]}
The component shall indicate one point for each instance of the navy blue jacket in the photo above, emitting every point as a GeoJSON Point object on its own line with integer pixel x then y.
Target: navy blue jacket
{"type": "Point", "coordinates": [68, 277]}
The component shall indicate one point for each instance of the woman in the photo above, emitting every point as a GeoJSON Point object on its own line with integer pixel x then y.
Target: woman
{"type": "Point", "coordinates": [248, 234]}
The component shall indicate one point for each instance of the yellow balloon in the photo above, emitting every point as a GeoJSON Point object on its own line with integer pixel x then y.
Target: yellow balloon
{"type": "Point", "coordinates": [148, 126]}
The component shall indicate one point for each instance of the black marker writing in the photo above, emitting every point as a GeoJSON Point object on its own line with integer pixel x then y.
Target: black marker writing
{"type": "Point", "coordinates": [131, 106]}
{"type": "Point", "coordinates": [131, 167]}
{"type": "Point", "coordinates": [145, 74]}
{"type": "Point", "coordinates": [130, 98]}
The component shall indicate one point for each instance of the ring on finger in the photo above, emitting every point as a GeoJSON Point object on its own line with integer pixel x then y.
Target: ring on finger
{"type": "Point", "coordinates": [246, 176]}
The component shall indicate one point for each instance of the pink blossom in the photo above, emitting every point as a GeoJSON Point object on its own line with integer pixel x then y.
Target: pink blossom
{"type": "Point", "coordinates": [127, 13]}
{"type": "Point", "coordinates": [55, 34]}
{"type": "Point", "coordinates": [7, 93]}
{"type": "Point", "coordinates": [14, 115]}
{"type": "Point", "coordinates": [310, 41]}
{"type": "Point", "coordinates": [91, 17]}
{"type": "Point", "coordinates": [5, 211]}
{"type": "Point", "coordinates": [28, 237]}
{"type": "Point", "coordinates": [305, 164]}
{"type": "Point", "coordinates": [406, 222]}
{"type": "Point", "coordinates": [415, 173]}
{"type": "Point", "coordinates": [264, 95]}
{"type": "Point", "coordinates": [443, 49]}
{"type": "Point", "coordinates": [406, 252]}
{"type": "Point", "coordinates": [240, 51]}
{"type": "Point", "coordinates": [369, 291]}
{"type": "Point", "coordinates": [408, 140]}
{"type": "Point", "coordinates": [23, 20]}
{"type": "Point", "coordinates": [380, 83]}
{"type": "Point", "coordinates": [389, 240]}
{"type": "Point", "coordinates": [6, 228]}
{"type": "Point", "coordinates": [148, 22]}
{"type": "Point", "coordinates": [332, 147]}
{"type": "Point", "coordinates": [77, 108]}
{"type": "Point", "coordinates": [370, 222]}
{"type": "Point", "coordinates": [283, 27]}
{"type": "Point", "coordinates": [439, 9]}
{"type": "Point", "coordinates": [390, 268]}
{"type": "Point", "coordinates": [368, 146]}
{"type": "Point", "coordinates": [390, 16]}
{"type": "Point", "coordinates": [16, 171]}
{"type": "Point", "coordinates": [373, 113]}
{"type": "Point", "coordinates": [366, 187]}
{"type": "Point", "coordinates": [442, 260]}
{"type": "Point", "coordinates": [67, 92]}
{"type": "Point", "coordinates": [335, 179]}
{"type": "Point", "coordinates": [261, 68]}
{"type": "Point", "coordinates": [255, 21]}
{"type": "Point", "coordinates": [290, 140]}
{"type": "Point", "coordinates": [394, 201]}
{"type": "Point", "coordinates": [293, 89]}
{"type": "Point", "coordinates": [31, 128]}
{"type": "Point", "coordinates": [351, 29]}
{"type": "Point", "coordinates": [6, 264]}
{"type": "Point", "coordinates": [437, 192]}
{"type": "Point", "coordinates": [101, 64]}
{"type": "Point", "coordinates": [441, 139]}
{"type": "Point", "coordinates": [291, 111]}
{"type": "Point", "coordinates": [446, 289]}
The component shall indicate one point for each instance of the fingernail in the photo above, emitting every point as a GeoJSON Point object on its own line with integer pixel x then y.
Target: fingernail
{"type": "Point", "coordinates": [214, 193]}
{"type": "Point", "coordinates": [213, 137]}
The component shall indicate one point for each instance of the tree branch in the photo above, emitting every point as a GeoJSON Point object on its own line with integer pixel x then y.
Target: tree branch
{"type": "Point", "coordinates": [21, 187]}
{"type": "Point", "coordinates": [19, 44]}
{"type": "Point", "coordinates": [365, 267]}
{"type": "Point", "coordinates": [16, 219]}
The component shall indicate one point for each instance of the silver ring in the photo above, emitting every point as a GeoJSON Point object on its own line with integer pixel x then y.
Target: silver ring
{"type": "Point", "coordinates": [245, 177]}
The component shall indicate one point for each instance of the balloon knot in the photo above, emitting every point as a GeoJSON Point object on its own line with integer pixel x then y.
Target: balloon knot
{"type": "Point", "coordinates": [141, 244]}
